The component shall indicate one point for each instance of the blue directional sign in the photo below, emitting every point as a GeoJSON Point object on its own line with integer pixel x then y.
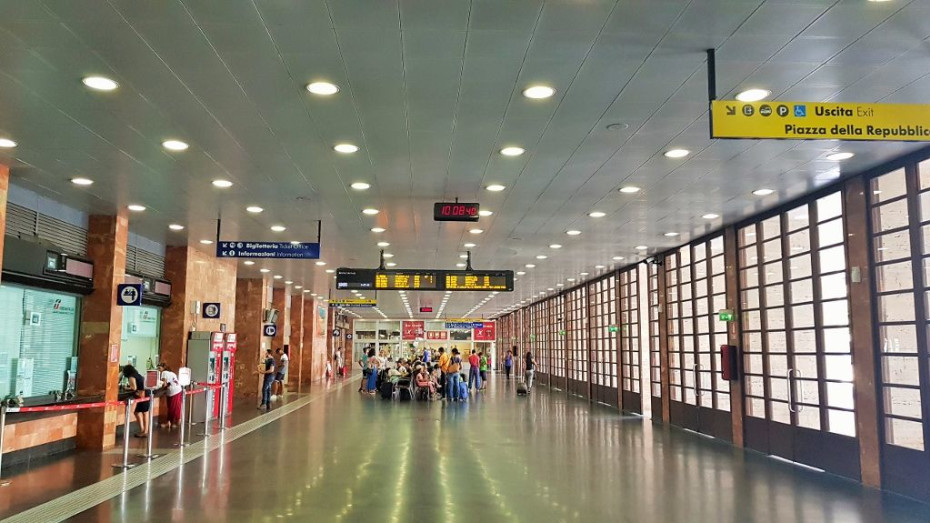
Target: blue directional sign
{"type": "Point", "coordinates": [270, 330]}
{"type": "Point", "coordinates": [211, 311]}
{"type": "Point", "coordinates": [285, 250]}
{"type": "Point", "coordinates": [464, 325]}
{"type": "Point", "coordinates": [129, 294]}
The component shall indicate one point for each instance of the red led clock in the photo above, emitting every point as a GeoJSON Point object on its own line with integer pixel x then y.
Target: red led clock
{"type": "Point", "coordinates": [455, 212]}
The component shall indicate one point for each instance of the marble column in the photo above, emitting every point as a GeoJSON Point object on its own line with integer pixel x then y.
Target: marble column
{"type": "Point", "coordinates": [295, 341]}
{"type": "Point", "coordinates": [101, 329]}
{"type": "Point", "coordinates": [252, 298]}
{"type": "Point", "coordinates": [174, 318]}
{"type": "Point", "coordinates": [306, 355]}
{"type": "Point", "coordinates": [4, 191]}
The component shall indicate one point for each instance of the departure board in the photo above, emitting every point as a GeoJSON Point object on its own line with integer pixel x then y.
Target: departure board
{"type": "Point", "coordinates": [424, 280]}
{"type": "Point", "coordinates": [477, 281]}
{"type": "Point", "coordinates": [406, 280]}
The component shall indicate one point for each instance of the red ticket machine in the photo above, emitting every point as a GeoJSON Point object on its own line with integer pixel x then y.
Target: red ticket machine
{"type": "Point", "coordinates": [229, 367]}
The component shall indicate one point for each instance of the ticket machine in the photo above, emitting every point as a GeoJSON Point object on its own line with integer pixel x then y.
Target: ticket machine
{"type": "Point", "coordinates": [229, 367]}
{"type": "Point", "coordinates": [205, 357]}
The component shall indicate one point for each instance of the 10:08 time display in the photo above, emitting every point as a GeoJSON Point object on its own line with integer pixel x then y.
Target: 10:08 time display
{"type": "Point", "coordinates": [455, 212]}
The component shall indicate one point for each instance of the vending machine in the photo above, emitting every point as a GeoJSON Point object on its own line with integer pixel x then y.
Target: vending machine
{"type": "Point", "coordinates": [204, 357]}
{"type": "Point", "coordinates": [229, 367]}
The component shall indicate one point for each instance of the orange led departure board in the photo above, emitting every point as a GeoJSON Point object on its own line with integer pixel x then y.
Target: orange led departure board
{"type": "Point", "coordinates": [405, 280]}
{"type": "Point", "coordinates": [424, 280]}
{"type": "Point", "coordinates": [476, 281]}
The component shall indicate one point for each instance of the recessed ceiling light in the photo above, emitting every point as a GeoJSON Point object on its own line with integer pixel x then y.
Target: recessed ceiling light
{"type": "Point", "coordinates": [384, 244]}
{"type": "Point", "coordinates": [710, 216]}
{"type": "Point", "coordinates": [763, 192]}
{"type": "Point", "coordinates": [541, 257]}
{"type": "Point", "coordinates": [530, 265]}
{"type": "Point", "coordinates": [597, 214]}
{"type": "Point", "coordinates": [583, 274]}
{"type": "Point", "coordinates": [360, 186]}
{"type": "Point", "coordinates": [538, 92]}
{"type": "Point", "coordinates": [82, 181]}
{"type": "Point", "coordinates": [573, 232]}
{"type": "Point", "coordinates": [476, 231]}
{"type": "Point", "coordinates": [295, 243]}
{"type": "Point", "coordinates": [512, 151]}
{"type": "Point", "coordinates": [99, 83]}
{"type": "Point", "coordinates": [330, 271]}
{"type": "Point", "coordinates": [391, 264]}
{"type": "Point", "coordinates": [617, 258]}
{"type": "Point", "coordinates": [598, 266]}
{"type": "Point", "coordinates": [641, 248]}
{"type": "Point", "coordinates": [298, 286]}
{"type": "Point", "coordinates": [206, 242]}
{"type": "Point", "coordinates": [521, 273]}
{"type": "Point", "coordinates": [278, 228]}
{"type": "Point", "coordinates": [495, 187]}
{"type": "Point", "coordinates": [288, 282]}
{"type": "Point", "coordinates": [677, 153]}
{"type": "Point", "coordinates": [176, 227]}
{"type": "Point", "coordinates": [222, 184]}
{"type": "Point", "coordinates": [570, 279]}
{"type": "Point", "coordinates": [345, 148]}
{"type": "Point", "coordinates": [378, 229]}
{"type": "Point", "coordinates": [264, 270]}
{"type": "Point", "coordinates": [369, 211]}
{"type": "Point", "coordinates": [321, 263]}
{"type": "Point", "coordinates": [629, 189]}
{"type": "Point", "coordinates": [388, 255]}
{"type": "Point", "coordinates": [459, 264]}
{"type": "Point", "coordinates": [485, 213]}
{"type": "Point", "coordinates": [470, 245]}
{"type": "Point", "coordinates": [753, 95]}
{"type": "Point", "coordinates": [838, 157]}
{"type": "Point", "coordinates": [555, 246]}
{"type": "Point", "coordinates": [308, 290]}
{"type": "Point", "coordinates": [278, 276]}
{"type": "Point", "coordinates": [174, 145]}
{"type": "Point", "coordinates": [322, 88]}
{"type": "Point", "coordinates": [671, 234]}
{"type": "Point", "coordinates": [136, 207]}
{"type": "Point", "coordinates": [254, 209]}
{"type": "Point", "coordinates": [463, 256]}
{"type": "Point", "coordinates": [248, 262]}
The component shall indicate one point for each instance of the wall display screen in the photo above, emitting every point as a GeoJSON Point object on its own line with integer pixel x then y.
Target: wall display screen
{"type": "Point", "coordinates": [424, 280]}
{"type": "Point", "coordinates": [455, 212]}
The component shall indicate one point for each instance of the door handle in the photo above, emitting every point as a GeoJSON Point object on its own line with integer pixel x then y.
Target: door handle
{"type": "Point", "coordinates": [792, 397]}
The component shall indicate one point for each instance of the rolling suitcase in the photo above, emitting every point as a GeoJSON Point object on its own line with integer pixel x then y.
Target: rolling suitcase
{"type": "Point", "coordinates": [403, 394]}
{"type": "Point", "coordinates": [387, 390]}
{"type": "Point", "coordinates": [521, 389]}
{"type": "Point", "coordinates": [463, 391]}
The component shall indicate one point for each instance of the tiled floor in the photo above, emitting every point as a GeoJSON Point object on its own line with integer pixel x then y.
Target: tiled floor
{"type": "Point", "coordinates": [499, 457]}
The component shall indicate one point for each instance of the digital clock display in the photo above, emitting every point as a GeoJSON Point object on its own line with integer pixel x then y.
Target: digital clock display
{"type": "Point", "coordinates": [455, 212]}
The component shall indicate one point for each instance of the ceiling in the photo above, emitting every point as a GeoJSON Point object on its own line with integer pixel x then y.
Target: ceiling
{"type": "Point", "coordinates": [430, 90]}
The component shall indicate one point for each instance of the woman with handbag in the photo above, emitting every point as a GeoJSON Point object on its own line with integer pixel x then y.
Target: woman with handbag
{"type": "Point", "coordinates": [136, 384]}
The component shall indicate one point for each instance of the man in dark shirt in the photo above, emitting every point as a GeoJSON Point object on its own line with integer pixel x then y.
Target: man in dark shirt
{"type": "Point", "coordinates": [267, 371]}
{"type": "Point", "coordinates": [530, 370]}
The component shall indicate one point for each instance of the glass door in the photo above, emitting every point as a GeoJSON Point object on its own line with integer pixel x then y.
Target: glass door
{"type": "Point", "coordinates": [577, 338]}
{"type": "Point", "coordinates": [558, 379]}
{"type": "Point", "coordinates": [796, 342]}
{"type": "Point", "coordinates": [602, 319]}
{"type": "Point", "coordinates": [655, 354]}
{"type": "Point", "coordinates": [900, 228]}
{"type": "Point", "coordinates": [628, 330]}
{"type": "Point", "coordinates": [696, 290]}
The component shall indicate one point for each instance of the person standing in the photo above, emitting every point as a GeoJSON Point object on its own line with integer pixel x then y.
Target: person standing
{"type": "Point", "coordinates": [483, 364]}
{"type": "Point", "coordinates": [508, 363]}
{"type": "Point", "coordinates": [266, 369]}
{"type": "Point", "coordinates": [453, 379]}
{"type": "Point", "coordinates": [280, 375]}
{"type": "Point", "coordinates": [444, 358]}
{"type": "Point", "coordinates": [473, 362]}
{"type": "Point", "coordinates": [172, 387]}
{"type": "Point", "coordinates": [366, 371]}
{"type": "Point", "coordinates": [136, 384]}
{"type": "Point", "coordinates": [340, 363]}
{"type": "Point", "coordinates": [530, 370]}
{"type": "Point", "coordinates": [374, 366]}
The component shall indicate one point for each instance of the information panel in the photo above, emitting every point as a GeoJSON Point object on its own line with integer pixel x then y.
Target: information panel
{"type": "Point", "coordinates": [424, 280]}
{"type": "Point", "coordinates": [820, 121]}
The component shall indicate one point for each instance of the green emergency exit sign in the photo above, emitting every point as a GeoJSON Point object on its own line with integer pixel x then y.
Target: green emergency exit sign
{"type": "Point", "coordinates": [613, 328]}
{"type": "Point", "coordinates": [725, 315]}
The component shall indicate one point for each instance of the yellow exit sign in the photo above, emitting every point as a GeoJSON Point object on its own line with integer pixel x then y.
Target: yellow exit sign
{"type": "Point", "coordinates": [820, 121]}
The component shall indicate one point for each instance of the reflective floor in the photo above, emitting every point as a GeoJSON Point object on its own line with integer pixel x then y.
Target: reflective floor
{"type": "Point", "coordinates": [546, 457]}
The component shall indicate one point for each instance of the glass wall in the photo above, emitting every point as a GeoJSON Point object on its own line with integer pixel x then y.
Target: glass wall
{"type": "Point", "coordinates": [141, 327]}
{"type": "Point", "coordinates": [38, 340]}
{"type": "Point", "coordinates": [577, 336]}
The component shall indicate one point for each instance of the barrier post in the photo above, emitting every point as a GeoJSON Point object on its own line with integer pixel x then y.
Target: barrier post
{"type": "Point", "coordinates": [181, 442]}
{"type": "Point", "coordinates": [125, 464]}
{"type": "Point", "coordinates": [207, 410]}
{"type": "Point", "coordinates": [151, 415]}
{"type": "Point", "coordinates": [5, 482]}
{"type": "Point", "coordinates": [225, 399]}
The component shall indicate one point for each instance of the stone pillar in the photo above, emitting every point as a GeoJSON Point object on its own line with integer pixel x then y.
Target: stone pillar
{"type": "Point", "coordinates": [175, 318]}
{"type": "Point", "coordinates": [306, 355]}
{"type": "Point", "coordinates": [278, 302]}
{"type": "Point", "coordinates": [4, 191]}
{"type": "Point", "coordinates": [251, 300]}
{"type": "Point", "coordinates": [855, 195]}
{"type": "Point", "coordinates": [101, 329]}
{"type": "Point", "coordinates": [295, 340]}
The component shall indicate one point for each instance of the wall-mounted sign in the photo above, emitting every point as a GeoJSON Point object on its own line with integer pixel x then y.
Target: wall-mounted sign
{"type": "Point", "coordinates": [270, 330]}
{"type": "Point", "coordinates": [151, 379]}
{"type": "Point", "coordinates": [336, 333]}
{"type": "Point", "coordinates": [129, 294]}
{"type": "Point", "coordinates": [437, 335]}
{"type": "Point", "coordinates": [352, 302]}
{"type": "Point", "coordinates": [820, 121]}
{"type": "Point", "coordinates": [211, 310]}
{"type": "Point", "coordinates": [725, 315]}
{"type": "Point", "coordinates": [412, 330]}
{"type": "Point", "coordinates": [425, 279]}
{"type": "Point", "coordinates": [348, 336]}
{"type": "Point", "coordinates": [277, 250]}
{"type": "Point", "coordinates": [184, 376]}
{"type": "Point", "coordinates": [613, 328]}
{"type": "Point", "coordinates": [485, 332]}
{"type": "Point", "coordinates": [464, 324]}
{"type": "Point", "coordinates": [426, 309]}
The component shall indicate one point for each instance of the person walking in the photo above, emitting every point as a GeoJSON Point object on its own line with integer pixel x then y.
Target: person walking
{"type": "Point", "coordinates": [508, 363]}
{"type": "Point", "coordinates": [530, 370]}
{"type": "Point", "coordinates": [473, 379]}
{"type": "Point", "coordinates": [266, 369]}
{"type": "Point", "coordinates": [136, 384]}
{"type": "Point", "coordinates": [453, 379]}
{"type": "Point", "coordinates": [483, 365]}
{"type": "Point", "coordinates": [168, 382]}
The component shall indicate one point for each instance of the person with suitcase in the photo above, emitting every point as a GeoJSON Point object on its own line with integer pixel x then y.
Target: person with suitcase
{"type": "Point", "coordinates": [453, 380]}
{"type": "Point", "coordinates": [530, 371]}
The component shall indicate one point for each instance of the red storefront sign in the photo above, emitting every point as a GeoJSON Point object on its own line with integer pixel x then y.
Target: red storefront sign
{"type": "Point", "coordinates": [485, 333]}
{"type": "Point", "coordinates": [412, 330]}
{"type": "Point", "coordinates": [437, 335]}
